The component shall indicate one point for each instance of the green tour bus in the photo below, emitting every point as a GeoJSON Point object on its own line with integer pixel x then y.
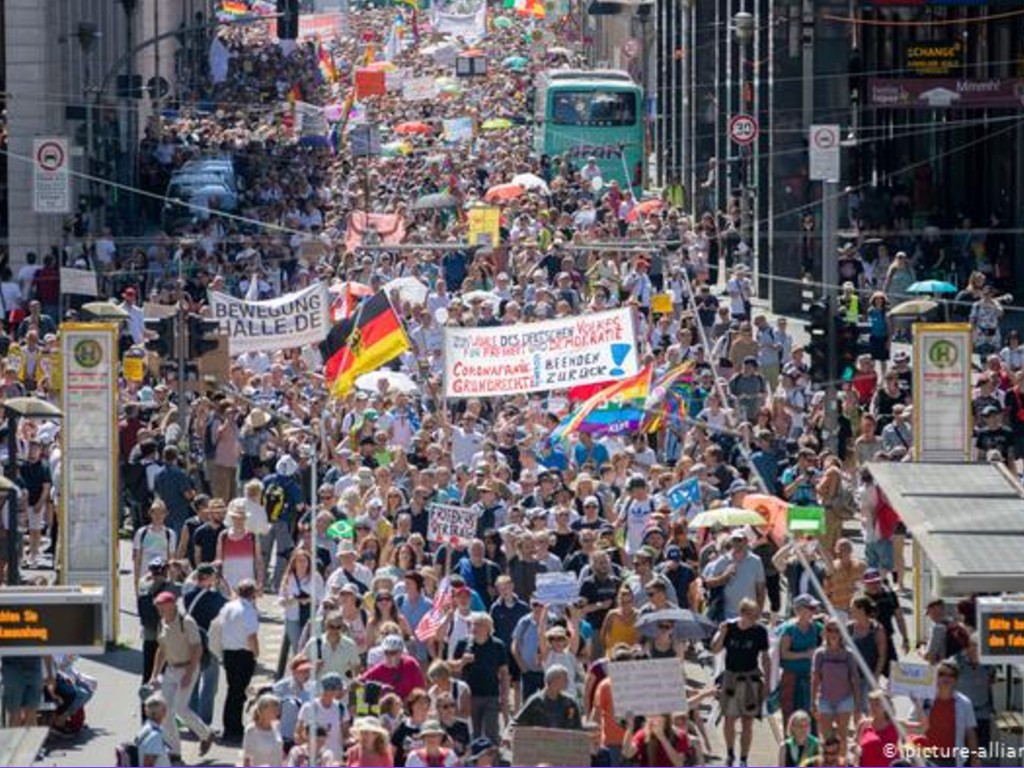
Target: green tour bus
{"type": "Point", "coordinates": [592, 113]}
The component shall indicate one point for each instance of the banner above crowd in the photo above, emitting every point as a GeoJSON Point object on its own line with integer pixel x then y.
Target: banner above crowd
{"type": "Point", "coordinates": [539, 357]}
{"type": "Point", "coordinates": [294, 320]}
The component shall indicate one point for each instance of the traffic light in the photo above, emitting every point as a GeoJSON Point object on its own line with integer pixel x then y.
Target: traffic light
{"type": "Point", "coordinates": [818, 329]}
{"type": "Point", "coordinates": [847, 349]}
{"type": "Point", "coordinates": [288, 19]}
{"type": "Point", "coordinates": [159, 333]}
{"type": "Point", "coordinates": [202, 336]}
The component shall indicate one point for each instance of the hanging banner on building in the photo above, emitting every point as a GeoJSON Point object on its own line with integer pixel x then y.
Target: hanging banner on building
{"type": "Point", "coordinates": [296, 319]}
{"type": "Point", "coordinates": [89, 449]}
{"type": "Point", "coordinates": [945, 93]}
{"type": "Point", "coordinates": [450, 523]}
{"type": "Point", "coordinates": [51, 179]}
{"type": "Point", "coordinates": [942, 392]}
{"type": "Point", "coordinates": [539, 357]}
{"type": "Point", "coordinates": [933, 59]}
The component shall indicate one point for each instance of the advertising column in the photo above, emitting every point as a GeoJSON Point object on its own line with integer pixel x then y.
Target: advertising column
{"type": "Point", "coordinates": [89, 461]}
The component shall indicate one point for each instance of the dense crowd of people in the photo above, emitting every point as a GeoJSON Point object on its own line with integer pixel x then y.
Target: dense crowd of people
{"type": "Point", "coordinates": [278, 499]}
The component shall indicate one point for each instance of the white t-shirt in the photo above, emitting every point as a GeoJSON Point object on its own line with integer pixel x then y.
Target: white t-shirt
{"type": "Point", "coordinates": [240, 620]}
{"type": "Point", "coordinates": [154, 543]}
{"type": "Point", "coordinates": [331, 717]}
{"type": "Point", "coordinates": [638, 513]}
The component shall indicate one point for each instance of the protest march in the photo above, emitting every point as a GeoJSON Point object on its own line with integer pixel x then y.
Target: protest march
{"type": "Point", "coordinates": [478, 455]}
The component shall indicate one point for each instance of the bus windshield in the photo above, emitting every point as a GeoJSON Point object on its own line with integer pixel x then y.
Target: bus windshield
{"type": "Point", "coordinates": [593, 108]}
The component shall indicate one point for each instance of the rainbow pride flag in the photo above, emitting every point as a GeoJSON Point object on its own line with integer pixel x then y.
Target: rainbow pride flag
{"type": "Point", "coordinates": [615, 409]}
{"type": "Point", "coordinates": [670, 397]}
{"type": "Point", "coordinates": [233, 8]}
{"type": "Point", "coordinates": [325, 65]}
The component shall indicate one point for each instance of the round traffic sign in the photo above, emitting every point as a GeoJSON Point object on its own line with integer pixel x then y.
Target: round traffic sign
{"type": "Point", "coordinates": [631, 48]}
{"type": "Point", "coordinates": [743, 129]}
{"type": "Point", "coordinates": [50, 156]}
{"type": "Point", "coordinates": [825, 136]}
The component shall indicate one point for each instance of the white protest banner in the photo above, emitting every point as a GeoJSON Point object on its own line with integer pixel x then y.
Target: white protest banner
{"type": "Point", "coordinates": [420, 89]}
{"type": "Point", "coordinates": [448, 522]}
{"type": "Point", "coordinates": [557, 588]}
{"type": "Point", "coordinates": [457, 130]}
{"type": "Point", "coordinates": [550, 746]}
{"type": "Point", "coordinates": [394, 80]}
{"type": "Point", "coordinates": [913, 679]}
{"type": "Point", "coordinates": [294, 320]}
{"type": "Point", "coordinates": [450, 18]}
{"type": "Point", "coordinates": [648, 687]}
{"type": "Point", "coordinates": [539, 357]}
{"type": "Point", "coordinates": [78, 282]}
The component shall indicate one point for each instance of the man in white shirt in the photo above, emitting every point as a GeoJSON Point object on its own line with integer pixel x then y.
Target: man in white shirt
{"type": "Point", "coordinates": [327, 710]}
{"type": "Point", "coordinates": [240, 641]}
{"type": "Point", "coordinates": [466, 440]}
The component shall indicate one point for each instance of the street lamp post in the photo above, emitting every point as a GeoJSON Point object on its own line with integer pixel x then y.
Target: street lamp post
{"type": "Point", "coordinates": [15, 409]}
{"type": "Point", "coordinates": [743, 28]}
{"type": "Point", "coordinates": [131, 103]}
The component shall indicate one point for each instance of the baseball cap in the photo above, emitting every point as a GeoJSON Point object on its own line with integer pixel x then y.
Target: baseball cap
{"type": "Point", "coordinates": [672, 552]}
{"type": "Point", "coordinates": [165, 597]}
{"type": "Point", "coordinates": [479, 747]}
{"type": "Point", "coordinates": [392, 644]}
{"type": "Point", "coordinates": [157, 564]}
{"type": "Point", "coordinates": [332, 681]}
{"type": "Point", "coordinates": [805, 601]}
{"type": "Point", "coordinates": [871, 576]}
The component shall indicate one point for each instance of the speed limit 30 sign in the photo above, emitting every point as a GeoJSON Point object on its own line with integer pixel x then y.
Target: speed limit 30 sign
{"type": "Point", "coordinates": [743, 129]}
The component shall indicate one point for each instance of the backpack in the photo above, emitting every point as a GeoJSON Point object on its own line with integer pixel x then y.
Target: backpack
{"type": "Point", "coordinates": [274, 501]}
{"type": "Point", "coordinates": [957, 638]}
{"type": "Point", "coordinates": [126, 754]}
{"type": "Point", "coordinates": [209, 439]}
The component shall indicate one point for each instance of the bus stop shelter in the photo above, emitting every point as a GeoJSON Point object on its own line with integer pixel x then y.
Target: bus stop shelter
{"type": "Point", "coordinates": [967, 524]}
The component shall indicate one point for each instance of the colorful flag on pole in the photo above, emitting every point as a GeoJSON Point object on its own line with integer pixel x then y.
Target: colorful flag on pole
{"type": "Point", "coordinates": [670, 397]}
{"type": "Point", "coordinates": [325, 65]}
{"type": "Point", "coordinates": [684, 495]}
{"type": "Point", "coordinates": [362, 343]}
{"type": "Point", "coordinates": [232, 9]}
{"type": "Point", "coordinates": [612, 411]}
{"type": "Point", "coordinates": [434, 618]}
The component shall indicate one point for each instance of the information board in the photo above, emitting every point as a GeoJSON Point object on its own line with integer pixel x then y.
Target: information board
{"type": "Point", "coordinates": [44, 621]}
{"type": "Point", "coordinates": [942, 392]}
{"type": "Point", "coordinates": [89, 449]}
{"type": "Point", "coordinates": [1001, 630]}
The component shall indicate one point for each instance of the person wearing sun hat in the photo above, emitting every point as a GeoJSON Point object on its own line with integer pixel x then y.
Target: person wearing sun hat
{"type": "Point", "coordinates": [371, 747]}
{"type": "Point", "coordinates": [432, 753]}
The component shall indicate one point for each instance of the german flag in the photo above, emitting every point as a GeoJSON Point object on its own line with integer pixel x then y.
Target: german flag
{"type": "Point", "coordinates": [364, 342]}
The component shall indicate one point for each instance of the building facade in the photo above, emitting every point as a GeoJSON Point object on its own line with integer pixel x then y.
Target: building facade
{"type": "Point", "coordinates": [66, 72]}
{"type": "Point", "coordinates": [927, 94]}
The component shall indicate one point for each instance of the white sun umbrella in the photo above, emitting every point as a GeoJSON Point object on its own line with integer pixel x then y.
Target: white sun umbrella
{"type": "Point", "coordinates": [387, 381]}
{"type": "Point", "coordinates": [409, 290]}
{"type": "Point", "coordinates": [532, 182]}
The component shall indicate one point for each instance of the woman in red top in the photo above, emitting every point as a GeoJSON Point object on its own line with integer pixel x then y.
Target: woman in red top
{"type": "Point", "coordinates": [656, 744]}
{"type": "Point", "coordinates": [878, 736]}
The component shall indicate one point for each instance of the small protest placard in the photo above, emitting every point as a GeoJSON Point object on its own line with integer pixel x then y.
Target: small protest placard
{"type": "Point", "coordinates": [648, 687]}
{"type": "Point", "coordinates": [913, 679]}
{"type": "Point", "coordinates": [550, 746]}
{"type": "Point", "coordinates": [448, 522]}
{"type": "Point", "coordinates": [557, 588]}
{"type": "Point", "coordinates": [806, 521]}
